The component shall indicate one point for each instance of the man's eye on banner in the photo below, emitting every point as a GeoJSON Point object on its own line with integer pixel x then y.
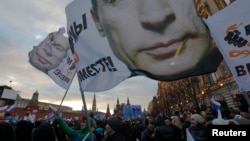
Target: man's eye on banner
{"type": "Point", "coordinates": [163, 40]}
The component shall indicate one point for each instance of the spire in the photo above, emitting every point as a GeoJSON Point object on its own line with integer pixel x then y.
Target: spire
{"type": "Point", "coordinates": [107, 112]}
{"type": "Point", "coordinates": [118, 103]}
{"type": "Point", "coordinates": [94, 104]}
{"type": "Point", "coordinates": [128, 103]}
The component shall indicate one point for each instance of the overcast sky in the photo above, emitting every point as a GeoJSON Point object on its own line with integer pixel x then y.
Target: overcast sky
{"type": "Point", "coordinates": [26, 23]}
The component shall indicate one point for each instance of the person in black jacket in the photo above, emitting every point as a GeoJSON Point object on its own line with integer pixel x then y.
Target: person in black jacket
{"type": "Point", "coordinates": [147, 134]}
{"type": "Point", "coordinates": [114, 128]}
{"type": "Point", "coordinates": [164, 132]}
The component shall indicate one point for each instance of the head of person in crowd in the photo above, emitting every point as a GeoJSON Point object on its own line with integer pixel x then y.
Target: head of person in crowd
{"type": "Point", "coordinates": [244, 110]}
{"type": "Point", "coordinates": [84, 122]}
{"type": "Point", "coordinates": [148, 120]}
{"type": "Point", "coordinates": [23, 130]}
{"type": "Point", "coordinates": [7, 131]}
{"type": "Point", "coordinates": [60, 135]}
{"type": "Point", "coordinates": [159, 120]}
{"type": "Point", "coordinates": [187, 115]}
{"type": "Point", "coordinates": [168, 121]}
{"type": "Point", "coordinates": [176, 121]}
{"type": "Point", "coordinates": [37, 123]}
{"type": "Point", "coordinates": [196, 119]}
{"type": "Point", "coordinates": [44, 132]}
{"type": "Point", "coordinates": [50, 52]}
{"type": "Point", "coordinates": [114, 124]}
{"type": "Point", "coordinates": [151, 127]}
{"type": "Point", "coordinates": [203, 115]}
{"type": "Point", "coordinates": [164, 39]}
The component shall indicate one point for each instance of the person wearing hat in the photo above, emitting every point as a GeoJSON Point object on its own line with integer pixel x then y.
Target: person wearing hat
{"type": "Point", "coordinates": [244, 111]}
{"type": "Point", "coordinates": [44, 132]}
{"type": "Point", "coordinates": [78, 135]}
{"type": "Point", "coordinates": [114, 129]}
{"type": "Point", "coordinates": [197, 128]}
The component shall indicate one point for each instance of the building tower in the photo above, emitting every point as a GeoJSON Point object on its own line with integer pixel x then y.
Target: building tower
{"type": "Point", "coordinates": [128, 103]}
{"type": "Point", "coordinates": [117, 102]}
{"type": "Point", "coordinates": [33, 107]}
{"type": "Point", "coordinates": [94, 104]}
{"type": "Point", "coordinates": [34, 99]}
{"type": "Point", "coordinates": [107, 112]}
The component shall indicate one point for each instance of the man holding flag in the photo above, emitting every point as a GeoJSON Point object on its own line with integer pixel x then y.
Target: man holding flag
{"type": "Point", "coordinates": [84, 134]}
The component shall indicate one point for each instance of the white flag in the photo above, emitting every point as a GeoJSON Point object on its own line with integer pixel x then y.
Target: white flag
{"type": "Point", "coordinates": [54, 57]}
{"type": "Point", "coordinates": [189, 136]}
{"type": "Point", "coordinates": [3, 109]}
{"type": "Point", "coordinates": [230, 29]}
{"type": "Point", "coordinates": [97, 67]}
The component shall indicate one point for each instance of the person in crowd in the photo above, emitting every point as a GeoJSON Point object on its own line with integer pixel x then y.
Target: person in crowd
{"type": "Point", "coordinates": [60, 134]}
{"type": "Point", "coordinates": [186, 123]}
{"type": "Point", "coordinates": [197, 128]}
{"type": "Point", "coordinates": [147, 134]}
{"type": "Point", "coordinates": [163, 132]}
{"type": "Point", "coordinates": [244, 111]}
{"type": "Point", "coordinates": [164, 39]}
{"type": "Point", "coordinates": [23, 130]}
{"type": "Point", "coordinates": [84, 134]}
{"type": "Point", "coordinates": [148, 119]}
{"type": "Point", "coordinates": [7, 132]}
{"type": "Point", "coordinates": [138, 128]}
{"type": "Point", "coordinates": [128, 131]}
{"type": "Point", "coordinates": [175, 133]}
{"type": "Point", "coordinates": [203, 115]}
{"type": "Point", "coordinates": [99, 133]}
{"type": "Point", "coordinates": [176, 119]}
{"type": "Point", "coordinates": [44, 132]}
{"type": "Point", "coordinates": [114, 129]}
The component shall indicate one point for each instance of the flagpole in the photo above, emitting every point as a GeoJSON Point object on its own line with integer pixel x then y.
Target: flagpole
{"type": "Point", "coordinates": [66, 92]}
{"type": "Point", "coordinates": [85, 109]}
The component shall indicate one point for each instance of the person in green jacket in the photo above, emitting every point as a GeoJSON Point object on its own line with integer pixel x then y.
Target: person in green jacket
{"type": "Point", "coordinates": [78, 135]}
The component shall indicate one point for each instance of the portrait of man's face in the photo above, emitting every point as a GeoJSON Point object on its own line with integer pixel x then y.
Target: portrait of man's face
{"type": "Point", "coordinates": [161, 37]}
{"type": "Point", "coordinates": [50, 52]}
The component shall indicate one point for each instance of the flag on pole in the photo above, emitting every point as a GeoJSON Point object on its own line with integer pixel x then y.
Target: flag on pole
{"type": "Point", "coordinates": [54, 57]}
{"type": "Point", "coordinates": [52, 113]}
{"type": "Point", "coordinates": [97, 67]}
{"type": "Point", "coordinates": [3, 110]}
{"type": "Point", "coordinates": [101, 67]}
{"type": "Point", "coordinates": [217, 106]}
{"type": "Point", "coordinates": [230, 29]}
{"type": "Point", "coordinates": [52, 109]}
{"type": "Point", "coordinates": [12, 110]}
{"type": "Point", "coordinates": [189, 136]}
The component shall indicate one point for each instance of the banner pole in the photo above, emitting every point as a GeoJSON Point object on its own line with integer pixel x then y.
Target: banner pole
{"type": "Point", "coordinates": [66, 92]}
{"type": "Point", "coordinates": [85, 109]}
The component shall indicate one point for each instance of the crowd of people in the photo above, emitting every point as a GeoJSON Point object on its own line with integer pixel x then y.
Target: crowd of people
{"type": "Point", "coordinates": [162, 127]}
